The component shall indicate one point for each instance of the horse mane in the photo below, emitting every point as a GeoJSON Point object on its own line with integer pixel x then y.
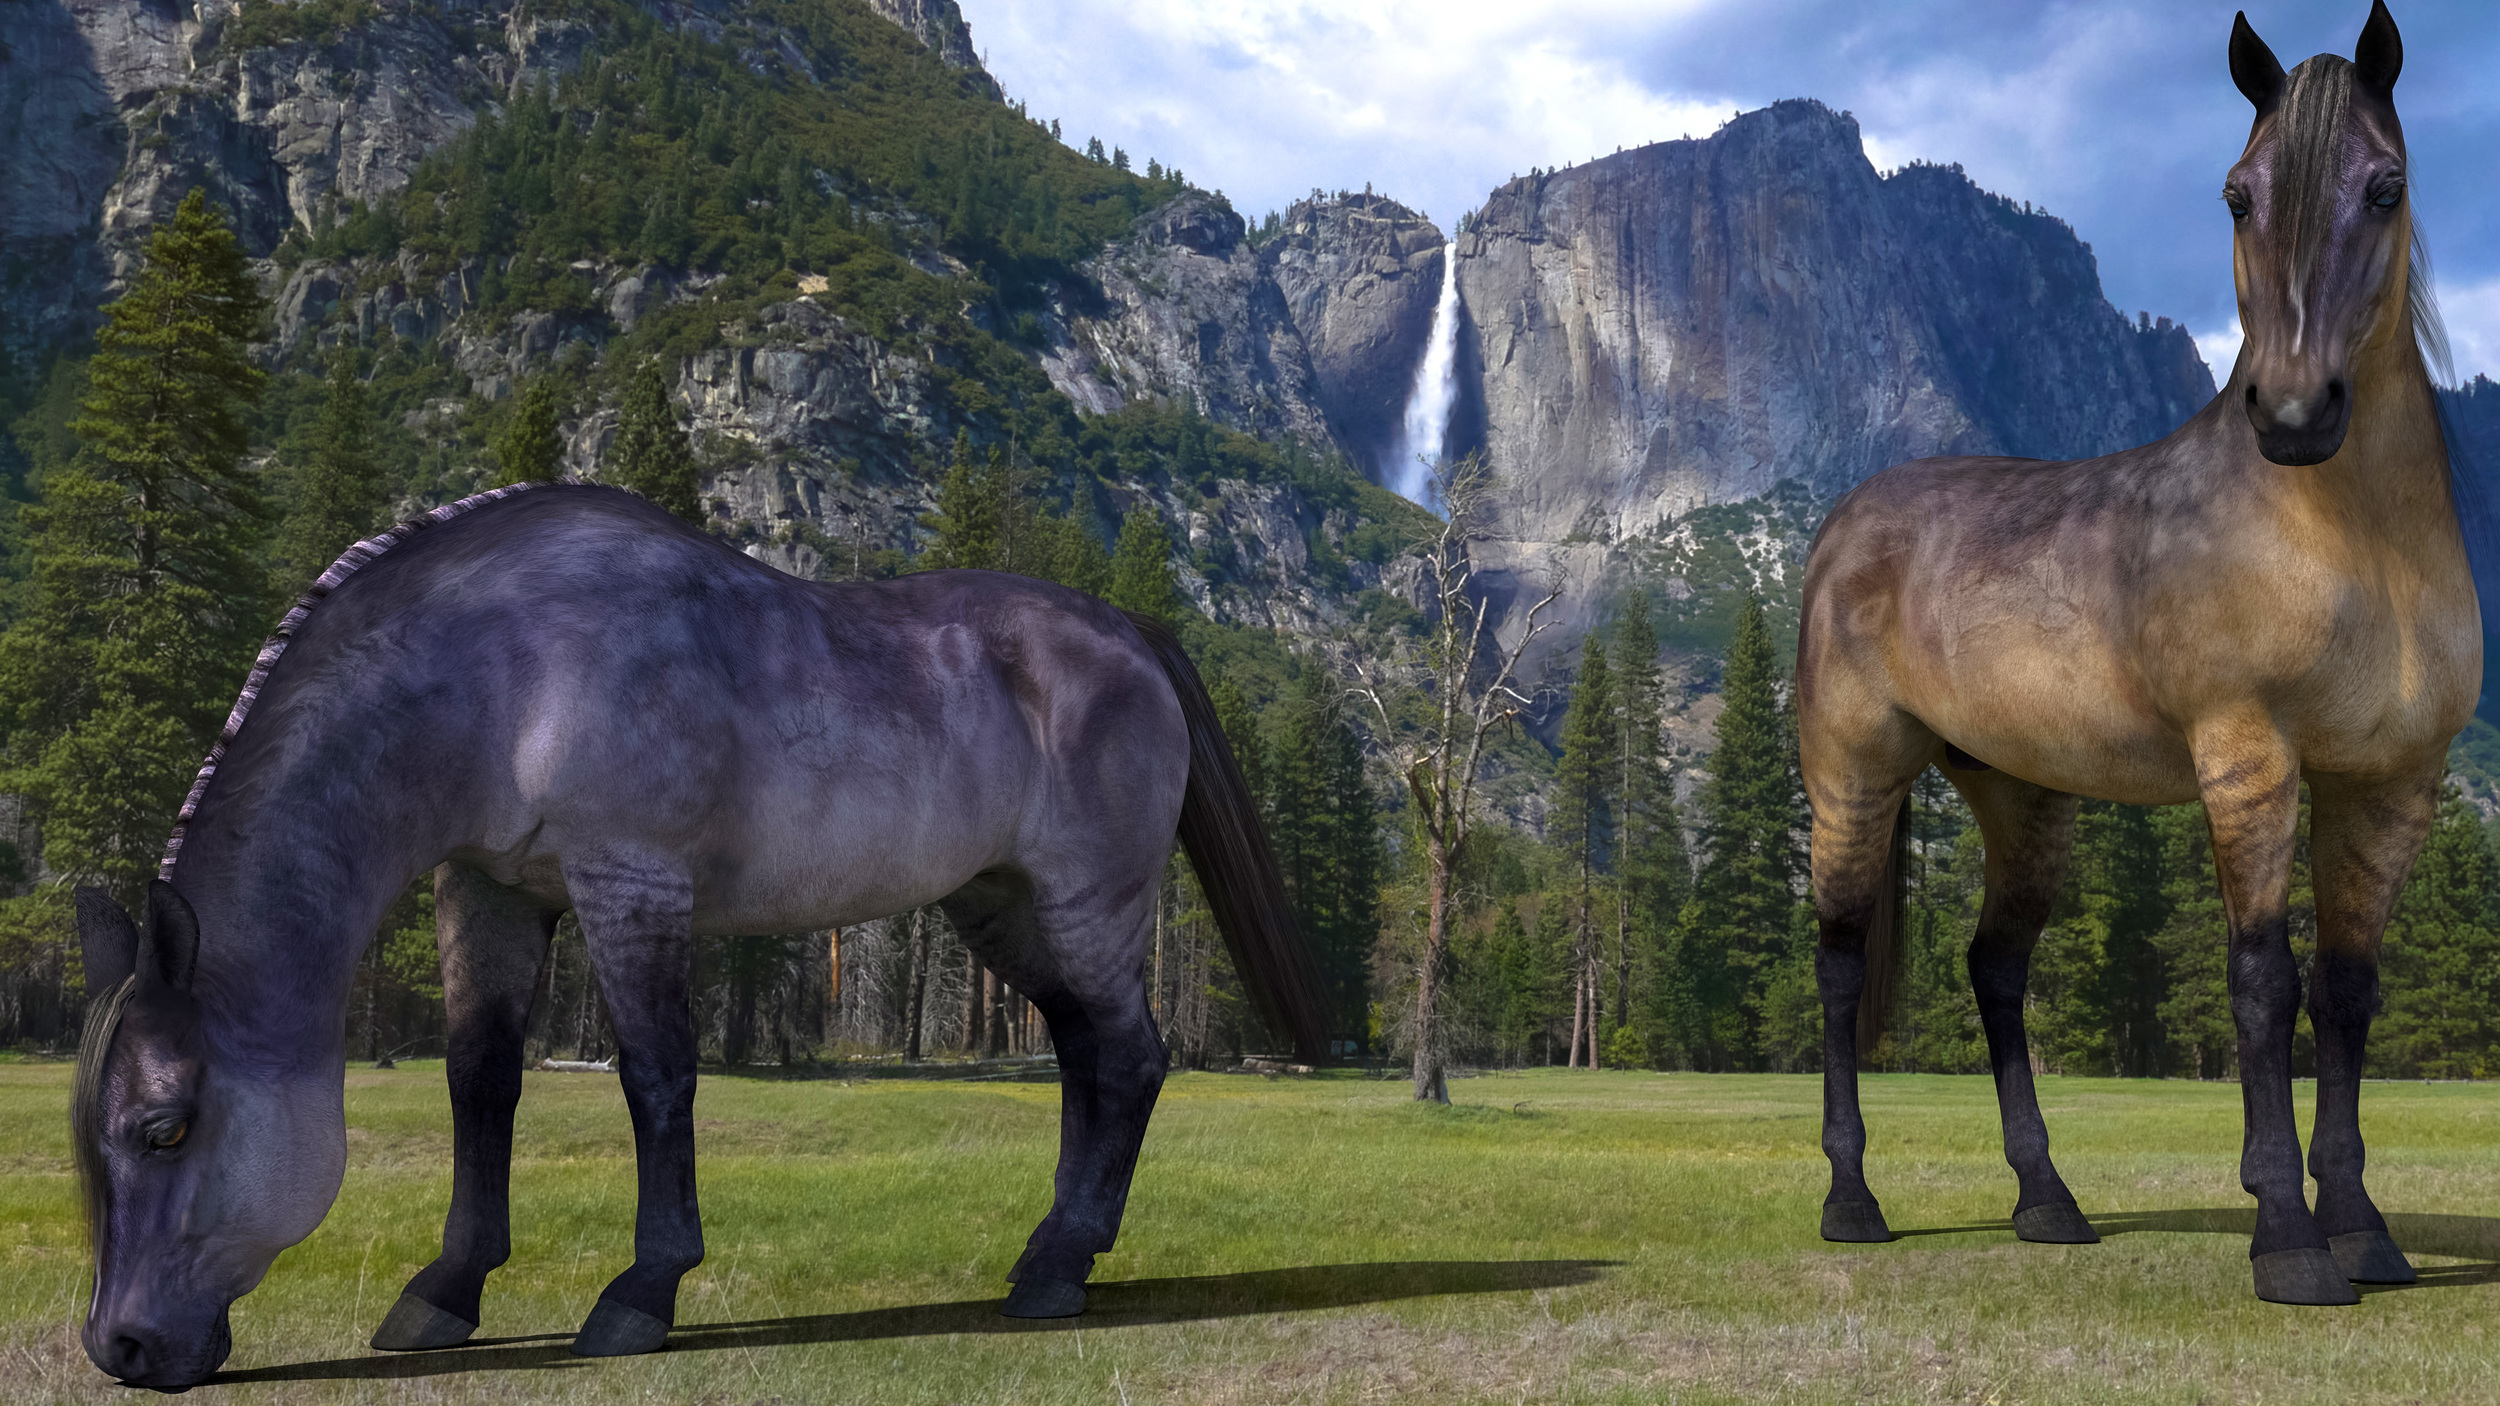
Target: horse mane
{"type": "Point", "coordinates": [349, 563]}
{"type": "Point", "coordinates": [86, 1109]}
{"type": "Point", "coordinates": [2313, 114]}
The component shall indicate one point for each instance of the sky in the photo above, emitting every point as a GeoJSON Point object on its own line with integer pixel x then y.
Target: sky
{"type": "Point", "coordinates": [2119, 117]}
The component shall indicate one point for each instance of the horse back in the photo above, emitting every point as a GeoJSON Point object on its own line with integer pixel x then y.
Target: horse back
{"type": "Point", "coordinates": [809, 753]}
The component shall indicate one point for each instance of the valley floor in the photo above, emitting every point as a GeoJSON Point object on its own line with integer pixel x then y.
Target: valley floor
{"type": "Point", "coordinates": [1555, 1236]}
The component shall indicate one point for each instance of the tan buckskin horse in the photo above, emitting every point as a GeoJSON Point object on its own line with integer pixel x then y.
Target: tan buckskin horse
{"type": "Point", "coordinates": [2276, 593]}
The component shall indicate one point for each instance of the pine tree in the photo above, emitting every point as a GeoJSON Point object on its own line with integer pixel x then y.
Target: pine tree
{"type": "Point", "coordinates": [1655, 874]}
{"type": "Point", "coordinates": [965, 525]}
{"type": "Point", "coordinates": [1241, 730]}
{"type": "Point", "coordinates": [2440, 964]}
{"type": "Point", "coordinates": [530, 449]}
{"type": "Point", "coordinates": [2096, 974]}
{"type": "Point", "coordinates": [1752, 810]}
{"type": "Point", "coordinates": [1141, 567]}
{"type": "Point", "coordinates": [650, 454]}
{"type": "Point", "coordinates": [2194, 944]}
{"type": "Point", "coordinates": [1065, 552]}
{"type": "Point", "coordinates": [146, 600]}
{"type": "Point", "coordinates": [1325, 828]}
{"type": "Point", "coordinates": [336, 496]}
{"type": "Point", "coordinates": [1583, 825]}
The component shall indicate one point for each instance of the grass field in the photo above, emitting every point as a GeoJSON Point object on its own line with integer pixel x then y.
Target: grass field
{"type": "Point", "coordinates": [1556, 1236]}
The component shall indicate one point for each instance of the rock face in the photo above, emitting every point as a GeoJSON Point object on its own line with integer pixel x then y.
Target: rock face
{"type": "Point", "coordinates": [68, 71]}
{"type": "Point", "coordinates": [117, 108]}
{"type": "Point", "coordinates": [111, 110]}
{"type": "Point", "coordinates": [1359, 277]}
{"type": "Point", "coordinates": [1695, 321]}
{"type": "Point", "coordinates": [938, 24]}
{"type": "Point", "coordinates": [1314, 334]}
{"type": "Point", "coordinates": [1186, 309]}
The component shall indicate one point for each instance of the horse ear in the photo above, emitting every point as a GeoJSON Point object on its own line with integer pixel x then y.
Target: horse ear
{"type": "Point", "coordinates": [107, 943]}
{"type": "Point", "coordinates": [2380, 55]}
{"type": "Point", "coordinates": [2254, 67]}
{"type": "Point", "coordinates": [173, 934]}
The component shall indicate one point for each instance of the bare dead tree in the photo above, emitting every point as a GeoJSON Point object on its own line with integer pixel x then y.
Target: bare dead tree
{"type": "Point", "coordinates": [1463, 682]}
{"type": "Point", "coordinates": [919, 984]}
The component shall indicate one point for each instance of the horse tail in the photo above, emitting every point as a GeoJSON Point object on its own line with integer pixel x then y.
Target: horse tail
{"type": "Point", "coordinates": [1887, 943]}
{"type": "Point", "coordinates": [1236, 870]}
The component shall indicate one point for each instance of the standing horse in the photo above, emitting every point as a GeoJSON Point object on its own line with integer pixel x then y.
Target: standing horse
{"type": "Point", "coordinates": [2276, 593]}
{"type": "Point", "coordinates": [563, 698]}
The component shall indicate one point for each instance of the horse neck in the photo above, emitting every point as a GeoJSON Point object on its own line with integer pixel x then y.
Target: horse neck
{"type": "Point", "coordinates": [290, 872]}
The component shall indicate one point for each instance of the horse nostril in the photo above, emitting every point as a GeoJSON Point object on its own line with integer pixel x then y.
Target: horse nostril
{"type": "Point", "coordinates": [2334, 392]}
{"type": "Point", "coordinates": [129, 1358]}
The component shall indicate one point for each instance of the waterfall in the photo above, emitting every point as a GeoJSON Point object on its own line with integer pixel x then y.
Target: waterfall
{"type": "Point", "coordinates": [1419, 447]}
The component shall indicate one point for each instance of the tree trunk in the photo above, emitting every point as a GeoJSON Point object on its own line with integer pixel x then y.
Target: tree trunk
{"type": "Point", "coordinates": [1154, 999]}
{"type": "Point", "coordinates": [972, 1003]}
{"type": "Point", "coordinates": [1431, 1080]}
{"type": "Point", "coordinates": [735, 1041]}
{"type": "Point", "coordinates": [373, 1027]}
{"type": "Point", "coordinates": [994, 997]}
{"type": "Point", "coordinates": [919, 983]}
{"type": "Point", "coordinates": [1623, 949]}
{"type": "Point", "coordinates": [1579, 1017]}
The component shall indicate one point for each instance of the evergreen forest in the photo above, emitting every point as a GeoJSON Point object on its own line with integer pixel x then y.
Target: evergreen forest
{"type": "Point", "coordinates": [172, 484]}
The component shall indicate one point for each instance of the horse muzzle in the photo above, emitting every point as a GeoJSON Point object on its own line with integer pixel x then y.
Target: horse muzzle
{"type": "Point", "coordinates": [2300, 428]}
{"type": "Point", "coordinates": [163, 1355]}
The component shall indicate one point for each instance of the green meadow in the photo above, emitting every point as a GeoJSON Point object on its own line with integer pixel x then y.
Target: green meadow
{"type": "Point", "coordinates": [1554, 1236]}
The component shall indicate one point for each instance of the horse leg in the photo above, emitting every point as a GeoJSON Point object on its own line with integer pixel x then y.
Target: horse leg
{"type": "Point", "coordinates": [2362, 841]}
{"type": "Point", "coordinates": [1852, 858]}
{"type": "Point", "coordinates": [2029, 831]}
{"type": "Point", "coordinates": [637, 915]}
{"type": "Point", "coordinates": [493, 940]}
{"type": "Point", "coordinates": [1083, 964]}
{"type": "Point", "coordinates": [2252, 801]}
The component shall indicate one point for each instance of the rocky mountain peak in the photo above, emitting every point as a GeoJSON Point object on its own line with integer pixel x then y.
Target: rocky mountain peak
{"type": "Point", "coordinates": [941, 26]}
{"type": "Point", "coordinates": [1695, 321]}
{"type": "Point", "coordinates": [1199, 223]}
{"type": "Point", "coordinates": [1360, 274]}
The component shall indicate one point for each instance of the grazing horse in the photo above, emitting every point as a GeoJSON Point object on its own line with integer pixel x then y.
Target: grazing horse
{"type": "Point", "coordinates": [2276, 593]}
{"type": "Point", "coordinates": [561, 697]}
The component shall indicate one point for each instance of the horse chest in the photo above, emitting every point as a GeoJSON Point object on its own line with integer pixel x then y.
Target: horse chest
{"type": "Point", "coordinates": [2360, 672]}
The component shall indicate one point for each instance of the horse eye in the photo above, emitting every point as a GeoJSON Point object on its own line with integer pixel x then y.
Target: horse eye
{"type": "Point", "coordinates": [2386, 199]}
{"type": "Point", "coordinates": [2237, 204]}
{"type": "Point", "coordinates": [167, 1135]}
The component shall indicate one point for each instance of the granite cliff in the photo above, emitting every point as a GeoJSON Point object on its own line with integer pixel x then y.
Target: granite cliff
{"type": "Point", "coordinates": [821, 421]}
{"type": "Point", "coordinates": [1313, 333]}
{"type": "Point", "coordinates": [1696, 321]}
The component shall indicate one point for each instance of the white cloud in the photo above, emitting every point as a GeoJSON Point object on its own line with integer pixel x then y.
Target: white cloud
{"type": "Point", "coordinates": [2220, 346]}
{"type": "Point", "coordinates": [1268, 99]}
{"type": "Point", "coordinates": [2472, 312]}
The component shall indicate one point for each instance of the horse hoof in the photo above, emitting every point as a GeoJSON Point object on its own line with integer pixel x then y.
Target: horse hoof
{"type": "Point", "coordinates": [2370, 1257]}
{"type": "Point", "coordinates": [1855, 1223]}
{"type": "Point", "coordinates": [2302, 1277]}
{"type": "Point", "coordinates": [2055, 1223]}
{"type": "Point", "coordinates": [614, 1330]}
{"type": "Point", "coordinates": [1043, 1298]}
{"type": "Point", "coordinates": [413, 1325]}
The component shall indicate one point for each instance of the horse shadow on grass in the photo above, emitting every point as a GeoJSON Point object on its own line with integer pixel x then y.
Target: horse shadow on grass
{"type": "Point", "coordinates": [1116, 1305]}
{"type": "Point", "coordinates": [2472, 1238]}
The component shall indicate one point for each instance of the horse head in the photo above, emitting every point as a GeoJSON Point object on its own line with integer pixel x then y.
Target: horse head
{"type": "Point", "coordinates": [2321, 233]}
{"type": "Point", "coordinates": [199, 1166]}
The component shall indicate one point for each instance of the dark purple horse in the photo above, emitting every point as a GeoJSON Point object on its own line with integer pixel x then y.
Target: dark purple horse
{"type": "Point", "coordinates": [560, 697]}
